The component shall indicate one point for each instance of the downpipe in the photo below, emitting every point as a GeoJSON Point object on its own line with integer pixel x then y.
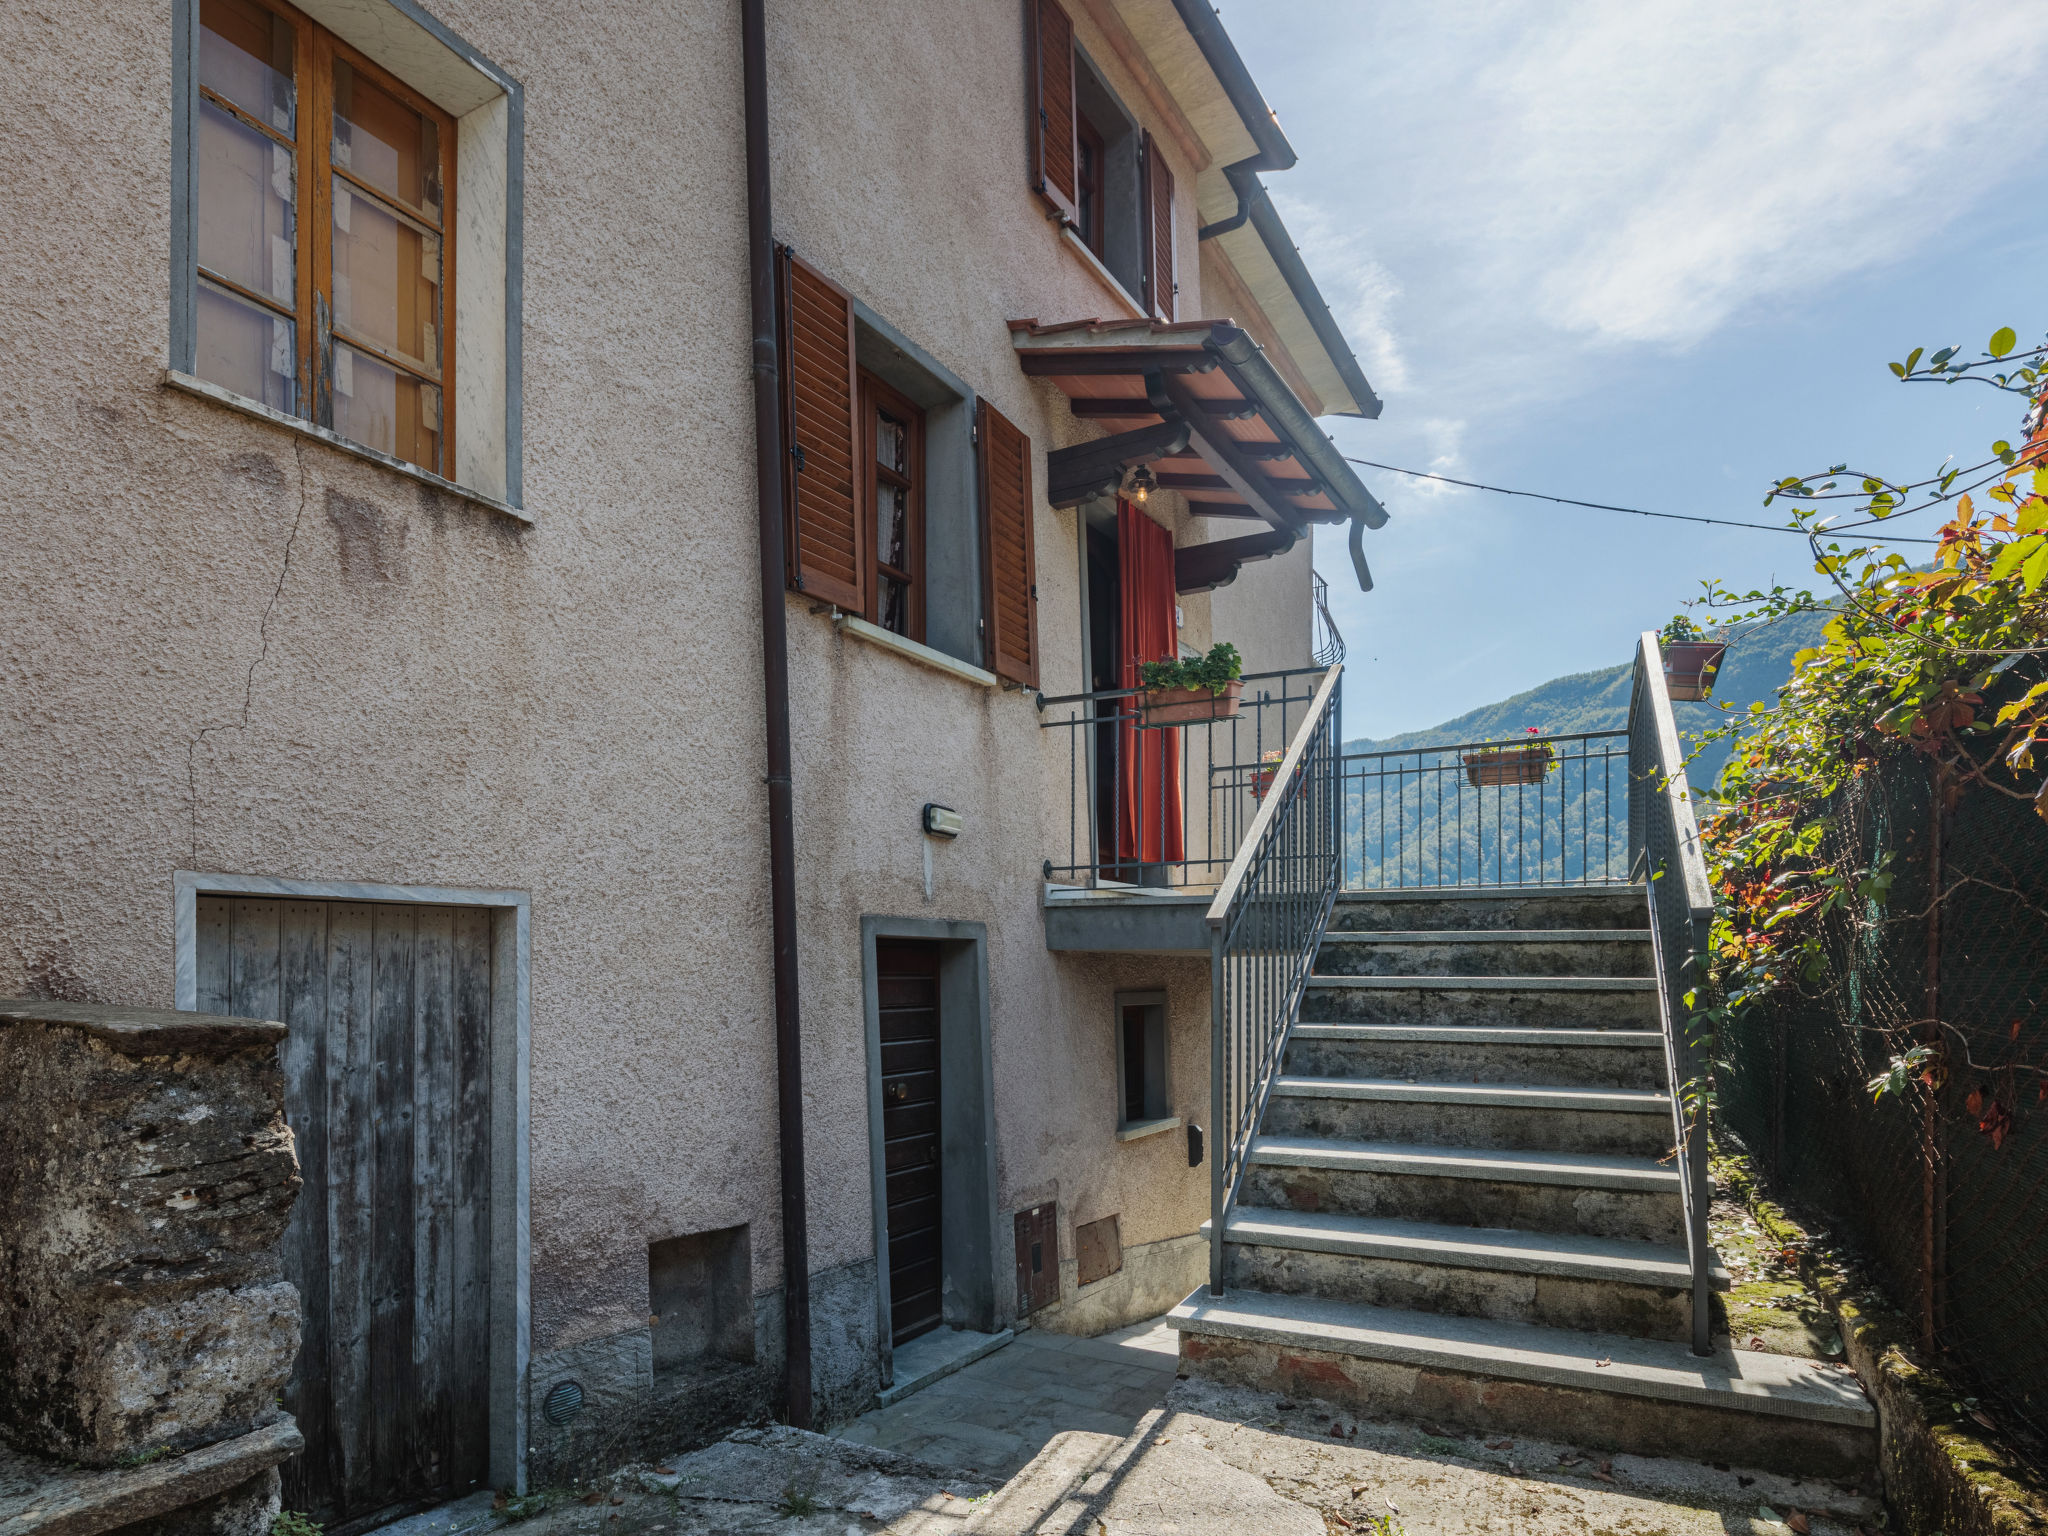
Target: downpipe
{"type": "Point", "coordinates": [789, 1089]}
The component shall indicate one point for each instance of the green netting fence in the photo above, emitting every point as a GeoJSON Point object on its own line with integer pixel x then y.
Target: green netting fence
{"type": "Point", "coordinates": [1944, 1191]}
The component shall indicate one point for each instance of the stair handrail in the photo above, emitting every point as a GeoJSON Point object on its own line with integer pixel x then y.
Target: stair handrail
{"type": "Point", "coordinates": [1665, 854]}
{"type": "Point", "coordinates": [1265, 926]}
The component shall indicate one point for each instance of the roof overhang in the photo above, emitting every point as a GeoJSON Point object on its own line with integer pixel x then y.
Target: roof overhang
{"type": "Point", "coordinates": [1192, 56]}
{"type": "Point", "coordinates": [1203, 406]}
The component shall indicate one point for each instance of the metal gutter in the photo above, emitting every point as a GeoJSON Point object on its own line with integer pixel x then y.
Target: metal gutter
{"type": "Point", "coordinates": [789, 1089]}
{"type": "Point", "coordinates": [1255, 375]}
{"type": "Point", "coordinates": [1266, 220]}
{"type": "Point", "coordinates": [1206, 28]}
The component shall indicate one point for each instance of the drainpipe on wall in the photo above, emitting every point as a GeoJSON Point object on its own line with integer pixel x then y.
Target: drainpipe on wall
{"type": "Point", "coordinates": [789, 1094]}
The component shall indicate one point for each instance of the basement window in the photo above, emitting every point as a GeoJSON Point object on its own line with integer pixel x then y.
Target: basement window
{"type": "Point", "coordinates": [700, 1292]}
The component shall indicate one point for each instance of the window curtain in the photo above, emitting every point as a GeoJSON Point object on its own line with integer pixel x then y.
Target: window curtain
{"type": "Point", "coordinates": [1149, 826]}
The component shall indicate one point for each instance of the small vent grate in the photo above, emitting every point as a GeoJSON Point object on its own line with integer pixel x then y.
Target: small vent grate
{"type": "Point", "coordinates": [563, 1402]}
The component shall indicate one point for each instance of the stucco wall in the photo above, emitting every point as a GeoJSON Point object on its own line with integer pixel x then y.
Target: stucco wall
{"type": "Point", "coordinates": [227, 649]}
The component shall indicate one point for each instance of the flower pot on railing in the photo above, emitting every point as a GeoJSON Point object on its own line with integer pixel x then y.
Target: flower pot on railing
{"type": "Point", "coordinates": [1689, 667]}
{"type": "Point", "coordinates": [1497, 766]}
{"type": "Point", "coordinates": [1262, 776]}
{"type": "Point", "coordinates": [1187, 706]}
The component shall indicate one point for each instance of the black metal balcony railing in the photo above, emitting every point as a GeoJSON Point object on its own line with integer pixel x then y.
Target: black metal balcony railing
{"type": "Point", "coordinates": [1551, 810]}
{"type": "Point", "coordinates": [1168, 805]}
{"type": "Point", "coordinates": [1265, 926]}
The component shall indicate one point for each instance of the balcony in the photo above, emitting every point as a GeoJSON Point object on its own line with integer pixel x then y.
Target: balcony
{"type": "Point", "coordinates": [1156, 813]}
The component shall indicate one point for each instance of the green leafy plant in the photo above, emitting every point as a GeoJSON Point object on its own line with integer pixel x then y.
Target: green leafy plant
{"type": "Point", "coordinates": [290, 1522]}
{"type": "Point", "coordinates": [1947, 665]}
{"type": "Point", "coordinates": [1681, 631]}
{"type": "Point", "coordinates": [144, 1458]}
{"type": "Point", "coordinates": [1215, 671]}
{"type": "Point", "coordinates": [798, 1501]}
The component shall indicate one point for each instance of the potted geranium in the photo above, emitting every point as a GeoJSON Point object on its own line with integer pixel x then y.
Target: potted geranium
{"type": "Point", "coordinates": [1190, 692]}
{"type": "Point", "coordinates": [1691, 659]}
{"type": "Point", "coordinates": [1500, 764]}
{"type": "Point", "coordinates": [1262, 776]}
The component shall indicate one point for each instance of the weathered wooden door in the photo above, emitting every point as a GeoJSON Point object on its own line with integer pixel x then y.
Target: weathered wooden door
{"type": "Point", "coordinates": [907, 981]}
{"type": "Point", "coordinates": [388, 1091]}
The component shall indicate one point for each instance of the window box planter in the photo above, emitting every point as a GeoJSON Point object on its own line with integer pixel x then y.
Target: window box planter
{"type": "Point", "coordinates": [1500, 766]}
{"type": "Point", "coordinates": [1689, 667]}
{"type": "Point", "coordinates": [1262, 776]}
{"type": "Point", "coordinates": [1187, 706]}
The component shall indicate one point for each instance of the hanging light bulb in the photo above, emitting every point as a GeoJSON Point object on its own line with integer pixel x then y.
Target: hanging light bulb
{"type": "Point", "coordinates": [1142, 483]}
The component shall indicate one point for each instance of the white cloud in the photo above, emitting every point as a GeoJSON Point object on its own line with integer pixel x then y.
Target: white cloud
{"type": "Point", "coordinates": [1512, 178]}
{"type": "Point", "coordinates": [1360, 291]}
{"type": "Point", "coordinates": [1668, 166]}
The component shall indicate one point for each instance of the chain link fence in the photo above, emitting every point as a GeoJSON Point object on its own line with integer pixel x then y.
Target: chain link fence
{"type": "Point", "coordinates": [1944, 1188]}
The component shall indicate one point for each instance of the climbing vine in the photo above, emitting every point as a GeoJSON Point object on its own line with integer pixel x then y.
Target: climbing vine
{"type": "Point", "coordinates": [1945, 663]}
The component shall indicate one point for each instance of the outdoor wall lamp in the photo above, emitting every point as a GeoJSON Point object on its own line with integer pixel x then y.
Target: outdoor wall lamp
{"type": "Point", "coordinates": [943, 821]}
{"type": "Point", "coordinates": [1142, 483]}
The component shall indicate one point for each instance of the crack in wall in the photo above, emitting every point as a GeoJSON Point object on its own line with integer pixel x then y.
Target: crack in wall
{"type": "Point", "coordinates": [262, 654]}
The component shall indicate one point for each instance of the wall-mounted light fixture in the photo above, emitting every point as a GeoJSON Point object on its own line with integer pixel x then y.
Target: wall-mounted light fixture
{"type": "Point", "coordinates": [943, 821]}
{"type": "Point", "coordinates": [1141, 484]}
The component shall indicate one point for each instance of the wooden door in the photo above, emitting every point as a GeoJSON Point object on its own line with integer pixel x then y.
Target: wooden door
{"type": "Point", "coordinates": [907, 982]}
{"type": "Point", "coordinates": [388, 1092]}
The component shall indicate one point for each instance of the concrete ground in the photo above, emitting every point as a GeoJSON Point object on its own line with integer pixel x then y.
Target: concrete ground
{"type": "Point", "coordinates": [1052, 1436]}
{"type": "Point", "coordinates": [995, 1415]}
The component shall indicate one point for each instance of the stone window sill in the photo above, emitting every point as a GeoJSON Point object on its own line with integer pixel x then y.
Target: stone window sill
{"type": "Point", "coordinates": [923, 655]}
{"type": "Point", "coordinates": [206, 390]}
{"type": "Point", "coordinates": [1138, 1130]}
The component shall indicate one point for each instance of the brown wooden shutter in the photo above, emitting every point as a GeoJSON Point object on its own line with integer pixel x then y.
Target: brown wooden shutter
{"type": "Point", "coordinates": [1159, 253]}
{"type": "Point", "coordinates": [1009, 570]}
{"type": "Point", "coordinates": [1049, 52]}
{"type": "Point", "coordinates": [824, 535]}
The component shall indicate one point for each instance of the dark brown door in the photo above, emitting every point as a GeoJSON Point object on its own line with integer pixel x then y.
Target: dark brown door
{"type": "Point", "coordinates": [907, 981]}
{"type": "Point", "coordinates": [388, 1093]}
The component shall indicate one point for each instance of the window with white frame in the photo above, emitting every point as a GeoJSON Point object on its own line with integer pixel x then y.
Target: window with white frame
{"type": "Point", "coordinates": [349, 230]}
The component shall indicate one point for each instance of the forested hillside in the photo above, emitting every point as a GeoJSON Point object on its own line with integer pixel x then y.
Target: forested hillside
{"type": "Point", "coordinates": [1759, 661]}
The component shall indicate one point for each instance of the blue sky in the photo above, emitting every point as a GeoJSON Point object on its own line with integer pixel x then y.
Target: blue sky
{"type": "Point", "coordinates": [1653, 255]}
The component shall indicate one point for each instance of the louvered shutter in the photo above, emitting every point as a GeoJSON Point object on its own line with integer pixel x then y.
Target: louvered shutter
{"type": "Point", "coordinates": [1159, 270]}
{"type": "Point", "coordinates": [824, 536]}
{"type": "Point", "coordinates": [1049, 52]}
{"type": "Point", "coordinates": [1010, 574]}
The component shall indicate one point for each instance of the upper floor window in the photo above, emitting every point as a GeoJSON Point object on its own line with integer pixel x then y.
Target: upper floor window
{"type": "Point", "coordinates": [324, 199]}
{"type": "Point", "coordinates": [908, 501]}
{"type": "Point", "coordinates": [895, 485]}
{"type": "Point", "coordinates": [1100, 173]}
{"type": "Point", "coordinates": [1088, 184]}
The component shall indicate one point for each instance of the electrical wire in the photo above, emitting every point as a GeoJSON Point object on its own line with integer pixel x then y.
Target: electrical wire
{"type": "Point", "coordinates": [1601, 506]}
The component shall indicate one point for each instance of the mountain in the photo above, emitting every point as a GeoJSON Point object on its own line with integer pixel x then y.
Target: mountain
{"type": "Point", "coordinates": [1759, 662]}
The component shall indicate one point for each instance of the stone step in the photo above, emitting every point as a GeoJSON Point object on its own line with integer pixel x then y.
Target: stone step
{"type": "Point", "coordinates": [1532, 1116]}
{"type": "Point", "coordinates": [1502, 907]}
{"type": "Point", "coordinates": [1645, 1396]}
{"type": "Point", "coordinates": [1466, 1186]}
{"type": "Point", "coordinates": [1614, 1058]}
{"type": "Point", "coordinates": [1502, 1002]}
{"type": "Point", "coordinates": [1598, 1284]}
{"type": "Point", "coordinates": [1525, 952]}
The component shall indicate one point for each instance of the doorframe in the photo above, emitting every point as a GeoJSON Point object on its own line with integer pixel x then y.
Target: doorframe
{"type": "Point", "coordinates": [511, 1110]}
{"type": "Point", "coordinates": [968, 1243]}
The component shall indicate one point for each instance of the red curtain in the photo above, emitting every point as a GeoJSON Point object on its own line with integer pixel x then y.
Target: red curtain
{"type": "Point", "coordinates": [1149, 828]}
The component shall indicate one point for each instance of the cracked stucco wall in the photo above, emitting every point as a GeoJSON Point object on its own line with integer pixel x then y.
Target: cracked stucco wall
{"type": "Point", "coordinates": [230, 652]}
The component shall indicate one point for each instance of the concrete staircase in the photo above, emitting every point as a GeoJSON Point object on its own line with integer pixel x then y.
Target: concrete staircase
{"type": "Point", "coordinates": [1461, 1205]}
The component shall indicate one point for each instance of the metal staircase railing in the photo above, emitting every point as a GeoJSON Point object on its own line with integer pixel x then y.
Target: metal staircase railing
{"type": "Point", "coordinates": [1665, 854]}
{"type": "Point", "coordinates": [1265, 926]}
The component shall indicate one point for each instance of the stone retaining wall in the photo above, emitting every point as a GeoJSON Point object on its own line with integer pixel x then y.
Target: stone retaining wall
{"type": "Point", "coordinates": [146, 1176]}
